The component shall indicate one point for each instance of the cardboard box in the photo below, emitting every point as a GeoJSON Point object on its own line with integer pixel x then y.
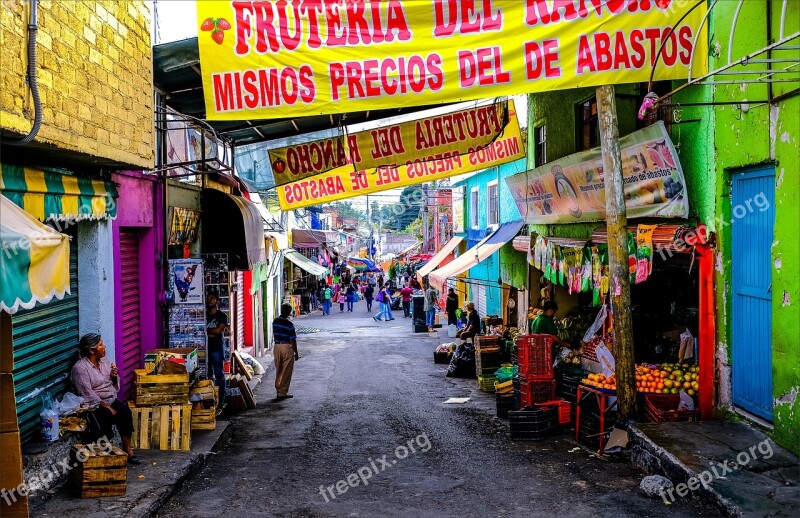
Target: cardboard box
{"type": "Point", "coordinates": [8, 405]}
{"type": "Point", "coordinates": [186, 356]}
{"type": "Point", "coordinates": [11, 475]}
{"type": "Point", "coordinates": [6, 345]}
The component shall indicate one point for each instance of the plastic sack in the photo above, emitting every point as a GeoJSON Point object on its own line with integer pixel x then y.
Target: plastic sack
{"type": "Point", "coordinates": [49, 418]}
{"type": "Point", "coordinates": [69, 403]}
{"type": "Point", "coordinates": [462, 364]}
{"type": "Point", "coordinates": [561, 356]}
{"type": "Point", "coordinates": [258, 369]}
{"type": "Point", "coordinates": [606, 360]}
{"type": "Point", "coordinates": [504, 374]}
{"type": "Point", "coordinates": [597, 324]}
{"type": "Point", "coordinates": [452, 329]}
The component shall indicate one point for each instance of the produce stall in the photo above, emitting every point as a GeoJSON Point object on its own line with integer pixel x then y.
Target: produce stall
{"type": "Point", "coordinates": [669, 268]}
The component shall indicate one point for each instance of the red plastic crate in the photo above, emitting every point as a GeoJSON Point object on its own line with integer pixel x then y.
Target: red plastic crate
{"type": "Point", "coordinates": [535, 356]}
{"type": "Point", "coordinates": [564, 409]}
{"type": "Point", "coordinates": [662, 408]}
{"type": "Point", "coordinates": [532, 392]}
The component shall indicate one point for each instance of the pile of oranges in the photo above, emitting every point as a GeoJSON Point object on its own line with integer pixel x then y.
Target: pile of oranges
{"type": "Point", "coordinates": [667, 378]}
{"type": "Point", "coordinates": [600, 381]}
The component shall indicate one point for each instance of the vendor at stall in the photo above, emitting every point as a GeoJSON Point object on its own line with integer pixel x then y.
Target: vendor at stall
{"type": "Point", "coordinates": [544, 325]}
{"type": "Point", "coordinates": [96, 380]}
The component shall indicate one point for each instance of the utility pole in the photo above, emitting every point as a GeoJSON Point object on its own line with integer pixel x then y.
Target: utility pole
{"type": "Point", "coordinates": [617, 230]}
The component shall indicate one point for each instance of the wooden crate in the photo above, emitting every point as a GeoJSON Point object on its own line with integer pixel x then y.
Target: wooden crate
{"type": "Point", "coordinates": [163, 427]}
{"type": "Point", "coordinates": [160, 389]}
{"type": "Point", "coordinates": [204, 418]}
{"type": "Point", "coordinates": [102, 473]}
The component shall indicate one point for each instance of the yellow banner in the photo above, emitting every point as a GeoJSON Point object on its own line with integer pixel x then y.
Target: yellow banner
{"type": "Point", "coordinates": [275, 59]}
{"type": "Point", "coordinates": [345, 182]}
{"type": "Point", "coordinates": [395, 144]}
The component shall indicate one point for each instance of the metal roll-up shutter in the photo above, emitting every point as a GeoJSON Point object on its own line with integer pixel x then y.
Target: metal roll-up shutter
{"type": "Point", "coordinates": [480, 299]}
{"type": "Point", "coordinates": [131, 317]}
{"type": "Point", "coordinates": [45, 348]}
{"type": "Point", "coordinates": [240, 295]}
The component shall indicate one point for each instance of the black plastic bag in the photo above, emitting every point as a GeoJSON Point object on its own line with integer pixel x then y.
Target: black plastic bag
{"type": "Point", "coordinates": [462, 364]}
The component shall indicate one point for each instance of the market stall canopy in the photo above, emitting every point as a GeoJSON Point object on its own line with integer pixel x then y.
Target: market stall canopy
{"type": "Point", "coordinates": [446, 250]}
{"type": "Point", "coordinates": [58, 196]}
{"type": "Point", "coordinates": [410, 249]}
{"type": "Point", "coordinates": [34, 265]}
{"type": "Point", "coordinates": [669, 238]}
{"type": "Point", "coordinates": [304, 262]}
{"type": "Point", "coordinates": [362, 265]}
{"type": "Point", "coordinates": [475, 255]}
{"type": "Point", "coordinates": [313, 238]}
{"type": "Point", "coordinates": [232, 225]}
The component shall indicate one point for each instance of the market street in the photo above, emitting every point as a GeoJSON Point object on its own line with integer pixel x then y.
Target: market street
{"type": "Point", "coordinates": [362, 389]}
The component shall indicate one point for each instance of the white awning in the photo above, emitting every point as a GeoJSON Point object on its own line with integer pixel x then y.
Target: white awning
{"type": "Point", "coordinates": [446, 250]}
{"type": "Point", "coordinates": [478, 253]}
{"type": "Point", "coordinates": [304, 262]}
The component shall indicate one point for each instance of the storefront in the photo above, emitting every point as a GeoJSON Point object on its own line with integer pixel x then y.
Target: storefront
{"type": "Point", "coordinates": [45, 336]}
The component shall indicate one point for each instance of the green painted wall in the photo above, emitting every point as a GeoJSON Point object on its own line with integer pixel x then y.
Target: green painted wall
{"type": "Point", "coordinates": [557, 111]}
{"type": "Point", "coordinates": [712, 143]}
{"type": "Point", "coordinates": [752, 133]}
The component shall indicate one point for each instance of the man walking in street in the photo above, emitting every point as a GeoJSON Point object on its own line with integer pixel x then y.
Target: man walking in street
{"type": "Point", "coordinates": [431, 296]}
{"type": "Point", "coordinates": [451, 306]}
{"type": "Point", "coordinates": [285, 351]}
{"type": "Point", "coordinates": [405, 295]}
{"type": "Point", "coordinates": [369, 291]}
{"type": "Point", "coordinates": [327, 296]}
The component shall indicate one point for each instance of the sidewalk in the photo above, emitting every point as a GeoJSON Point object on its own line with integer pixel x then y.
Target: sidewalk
{"type": "Point", "coordinates": [161, 472]}
{"type": "Point", "coordinates": [150, 484]}
{"type": "Point", "coordinates": [746, 475]}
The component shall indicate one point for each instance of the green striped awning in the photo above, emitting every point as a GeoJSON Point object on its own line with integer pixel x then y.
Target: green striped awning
{"type": "Point", "coordinates": [53, 196]}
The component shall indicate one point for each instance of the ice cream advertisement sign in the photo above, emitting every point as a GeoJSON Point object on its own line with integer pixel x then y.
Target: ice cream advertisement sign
{"type": "Point", "coordinates": [571, 189]}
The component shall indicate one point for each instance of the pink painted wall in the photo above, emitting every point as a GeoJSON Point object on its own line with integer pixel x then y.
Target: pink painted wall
{"type": "Point", "coordinates": [140, 207]}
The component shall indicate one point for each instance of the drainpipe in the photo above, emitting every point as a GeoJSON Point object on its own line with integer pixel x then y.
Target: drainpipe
{"type": "Point", "coordinates": [30, 78]}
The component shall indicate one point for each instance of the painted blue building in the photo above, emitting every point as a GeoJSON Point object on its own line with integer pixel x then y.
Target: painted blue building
{"type": "Point", "coordinates": [487, 204]}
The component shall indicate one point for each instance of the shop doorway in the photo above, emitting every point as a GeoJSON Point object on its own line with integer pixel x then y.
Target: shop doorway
{"type": "Point", "coordinates": [753, 220]}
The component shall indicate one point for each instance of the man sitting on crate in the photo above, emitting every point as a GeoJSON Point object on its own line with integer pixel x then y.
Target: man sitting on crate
{"type": "Point", "coordinates": [96, 381]}
{"type": "Point", "coordinates": [473, 326]}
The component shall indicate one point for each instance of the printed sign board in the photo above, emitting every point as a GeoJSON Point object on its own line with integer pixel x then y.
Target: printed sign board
{"type": "Point", "coordinates": [278, 59]}
{"type": "Point", "coordinates": [404, 142]}
{"type": "Point", "coordinates": [571, 189]}
{"type": "Point", "coordinates": [345, 182]}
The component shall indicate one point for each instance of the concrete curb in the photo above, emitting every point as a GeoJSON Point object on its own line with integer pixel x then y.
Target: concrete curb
{"type": "Point", "coordinates": [185, 473]}
{"type": "Point", "coordinates": [654, 459]}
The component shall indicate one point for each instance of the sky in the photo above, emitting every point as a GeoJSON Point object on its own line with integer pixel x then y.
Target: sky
{"type": "Point", "coordinates": [176, 20]}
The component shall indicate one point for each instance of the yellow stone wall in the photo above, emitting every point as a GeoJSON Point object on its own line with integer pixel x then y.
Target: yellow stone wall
{"type": "Point", "coordinates": [95, 76]}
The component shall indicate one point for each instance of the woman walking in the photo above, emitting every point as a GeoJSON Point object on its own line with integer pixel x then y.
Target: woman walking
{"type": "Point", "coordinates": [385, 300]}
{"type": "Point", "coordinates": [350, 294]}
{"type": "Point", "coordinates": [369, 291]}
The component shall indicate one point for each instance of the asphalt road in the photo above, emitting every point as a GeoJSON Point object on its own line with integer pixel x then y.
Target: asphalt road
{"type": "Point", "coordinates": [368, 406]}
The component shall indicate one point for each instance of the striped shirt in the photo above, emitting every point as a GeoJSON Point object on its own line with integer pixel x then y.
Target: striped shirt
{"type": "Point", "coordinates": [283, 330]}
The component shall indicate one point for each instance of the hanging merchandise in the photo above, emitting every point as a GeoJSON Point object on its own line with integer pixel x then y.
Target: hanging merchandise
{"type": "Point", "coordinates": [586, 269]}
{"type": "Point", "coordinates": [644, 252]}
{"type": "Point", "coordinates": [632, 257]}
{"type": "Point", "coordinates": [572, 261]}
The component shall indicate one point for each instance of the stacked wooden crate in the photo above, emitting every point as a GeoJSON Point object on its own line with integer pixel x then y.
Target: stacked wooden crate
{"type": "Point", "coordinates": [204, 397]}
{"type": "Point", "coordinates": [160, 389]}
{"type": "Point", "coordinates": [98, 471]}
{"type": "Point", "coordinates": [162, 414]}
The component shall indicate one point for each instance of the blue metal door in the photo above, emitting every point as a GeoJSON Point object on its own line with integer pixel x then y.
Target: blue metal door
{"type": "Point", "coordinates": [753, 219]}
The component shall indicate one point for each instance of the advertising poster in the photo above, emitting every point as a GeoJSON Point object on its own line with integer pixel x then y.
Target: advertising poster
{"type": "Point", "coordinates": [571, 189]}
{"type": "Point", "coordinates": [458, 209]}
{"type": "Point", "coordinates": [186, 276]}
{"type": "Point", "coordinates": [267, 59]}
